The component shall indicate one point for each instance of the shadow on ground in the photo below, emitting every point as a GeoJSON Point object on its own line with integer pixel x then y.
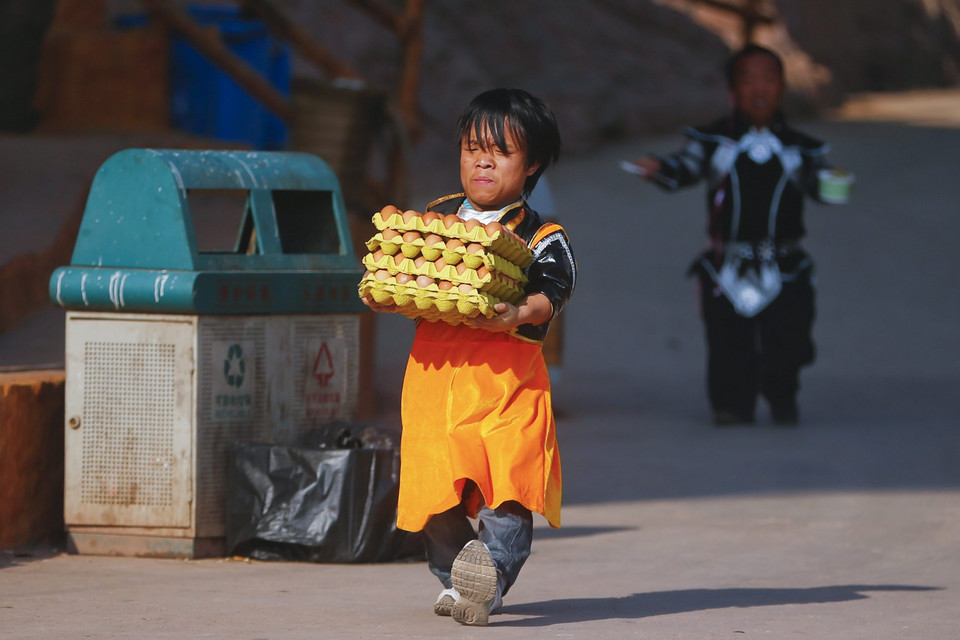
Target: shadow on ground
{"type": "Point", "coordinates": [659, 603]}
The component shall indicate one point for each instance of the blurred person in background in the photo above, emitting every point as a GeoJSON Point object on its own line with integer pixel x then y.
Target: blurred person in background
{"type": "Point", "coordinates": [756, 280]}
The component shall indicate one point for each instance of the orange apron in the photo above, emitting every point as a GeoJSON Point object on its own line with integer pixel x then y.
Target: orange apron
{"type": "Point", "coordinates": [476, 406]}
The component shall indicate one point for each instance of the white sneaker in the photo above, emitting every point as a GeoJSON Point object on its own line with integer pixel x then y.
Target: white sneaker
{"type": "Point", "coordinates": [497, 603]}
{"type": "Point", "coordinates": [445, 601]}
{"type": "Point", "coordinates": [474, 577]}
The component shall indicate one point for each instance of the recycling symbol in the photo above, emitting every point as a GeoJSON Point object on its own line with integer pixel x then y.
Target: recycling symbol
{"type": "Point", "coordinates": [234, 366]}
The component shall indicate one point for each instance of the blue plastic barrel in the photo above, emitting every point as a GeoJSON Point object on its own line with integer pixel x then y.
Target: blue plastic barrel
{"type": "Point", "coordinates": [205, 101]}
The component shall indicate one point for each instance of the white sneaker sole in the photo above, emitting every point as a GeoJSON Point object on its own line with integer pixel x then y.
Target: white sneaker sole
{"type": "Point", "coordinates": [474, 576]}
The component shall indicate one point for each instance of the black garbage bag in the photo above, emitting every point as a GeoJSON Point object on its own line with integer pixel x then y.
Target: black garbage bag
{"type": "Point", "coordinates": [332, 501]}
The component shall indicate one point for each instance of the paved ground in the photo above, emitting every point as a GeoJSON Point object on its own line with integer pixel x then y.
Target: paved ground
{"type": "Point", "coordinates": [846, 527]}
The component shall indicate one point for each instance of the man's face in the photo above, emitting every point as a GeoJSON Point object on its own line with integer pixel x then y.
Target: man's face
{"type": "Point", "coordinates": [757, 88]}
{"type": "Point", "coordinates": [493, 177]}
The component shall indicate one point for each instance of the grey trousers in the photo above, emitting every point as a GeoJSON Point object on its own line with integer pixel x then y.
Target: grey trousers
{"type": "Point", "coordinates": [507, 531]}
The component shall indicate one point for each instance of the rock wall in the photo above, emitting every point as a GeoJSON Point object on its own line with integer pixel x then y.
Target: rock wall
{"type": "Point", "coordinates": [608, 69]}
{"type": "Point", "coordinates": [879, 45]}
{"type": "Point", "coordinates": [616, 68]}
{"type": "Point", "coordinates": [620, 68]}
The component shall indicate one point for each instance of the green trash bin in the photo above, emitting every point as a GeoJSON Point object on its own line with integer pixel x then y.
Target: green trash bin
{"type": "Point", "coordinates": [176, 349]}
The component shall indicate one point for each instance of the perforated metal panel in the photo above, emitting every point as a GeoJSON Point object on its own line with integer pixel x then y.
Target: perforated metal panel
{"type": "Point", "coordinates": [129, 391]}
{"type": "Point", "coordinates": [128, 445]}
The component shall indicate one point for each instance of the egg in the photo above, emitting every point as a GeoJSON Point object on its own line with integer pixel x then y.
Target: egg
{"type": "Point", "coordinates": [454, 243]}
{"type": "Point", "coordinates": [378, 255]}
{"type": "Point", "coordinates": [470, 225]}
{"type": "Point", "coordinates": [424, 281]}
{"type": "Point", "coordinates": [430, 216]}
{"type": "Point", "coordinates": [398, 259]}
{"type": "Point", "coordinates": [404, 278]}
{"type": "Point", "coordinates": [431, 239]}
{"type": "Point", "coordinates": [389, 234]}
{"type": "Point", "coordinates": [450, 219]}
{"type": "Point", "coordinates": [483, 272]}
{"type": "Point", "coordinates": [462, 268]}
{"type": "Point", "coordinates": [388, 211]}
{"type": "Point", "coordinates": [382, 274]}
{"type": "Point", "coordinates": [445, 285]}
{"type": "Point", "coordinates": [474, 247]}
{"type": "Point", "coordinates": [409, 215]}
{"type": "Point", "coordinates": [492, 227]}
{"type": "Point", "coordinates": [440, 264]}
{"type": "Point", "coordinates": [411, 236]}
{"type": "Point", "coordinates": [465, 288]}
{"type": "Point", "coordinates": [419, 262]}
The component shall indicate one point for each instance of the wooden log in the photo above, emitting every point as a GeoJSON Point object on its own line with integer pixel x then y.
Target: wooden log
{"type": "Point", "coordinates": [31, 457]}
{"type": "Point", "coordinates": [411, 40]}
{"type": "Point", "coordinates": [408, 27]}
{"type": "Point", "coordinates": [382, 13]}
{"type": "Point", "coordinates": [299, 39]}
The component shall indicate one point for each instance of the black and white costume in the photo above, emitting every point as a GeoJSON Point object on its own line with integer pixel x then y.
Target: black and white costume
{"type": "Point", "coordinates": [757, 282]}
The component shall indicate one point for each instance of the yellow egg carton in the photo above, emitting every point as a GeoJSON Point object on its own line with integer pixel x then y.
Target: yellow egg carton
{"type": "Point", "coordinates": [473, 256]}
{"type": "Point", "coordinates": [428, 302]}
{"type": "Point", "coordinates": [389, 247]}
{"type": "Point", "coordinates": [500, 241]}
{"type": "Point", "coordinates": [407, 261]}
{"type": "Point", "coordinates": [489, 281]}
{"type": "Point", "coordinates": [499, 264]}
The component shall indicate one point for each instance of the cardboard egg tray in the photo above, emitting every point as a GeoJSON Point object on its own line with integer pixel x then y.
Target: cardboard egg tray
{"type": "Point", "coordinates": [441, 270]}
{"type": "Point", "coordinates": [501, 242]}
{"type": "Point", "coordinates": [452, 256]}
{"type": "Point", "coordinates": [430, 303]}
{"type": "Point", "coordinates": [495, 283]}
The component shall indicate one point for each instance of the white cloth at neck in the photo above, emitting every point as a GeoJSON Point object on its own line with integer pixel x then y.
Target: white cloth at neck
{"type": "Point", "coordinates": [468, 212]}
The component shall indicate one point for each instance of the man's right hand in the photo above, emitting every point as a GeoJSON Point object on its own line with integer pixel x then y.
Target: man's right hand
{"type": "Point", "coordinates": [649, 164]}
{"type": "Point", "coordinates": [378, 306]}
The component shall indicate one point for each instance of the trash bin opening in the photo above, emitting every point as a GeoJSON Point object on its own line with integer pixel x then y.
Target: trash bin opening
{"type": "Point", "coordinates": [306, 222]}
{"type": "Point", "coordinates": [226, 221]}
{"type": "Point", "coordinates": [220, 217]}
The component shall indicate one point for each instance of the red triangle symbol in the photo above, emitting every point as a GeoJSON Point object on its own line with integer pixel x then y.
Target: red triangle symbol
{"type": "Point", "coordinates": [323, 366]}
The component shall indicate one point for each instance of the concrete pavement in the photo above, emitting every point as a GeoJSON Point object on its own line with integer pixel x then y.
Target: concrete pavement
{"type": "Point", "coordinates": [847, 527]}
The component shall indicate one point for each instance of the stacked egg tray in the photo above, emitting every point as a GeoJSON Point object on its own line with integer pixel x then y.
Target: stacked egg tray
{"type": "Point", "coordinates": [441, 267]}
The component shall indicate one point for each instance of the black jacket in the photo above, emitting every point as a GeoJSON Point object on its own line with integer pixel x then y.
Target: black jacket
{"type": "Point", "coordinates": [553, 271]}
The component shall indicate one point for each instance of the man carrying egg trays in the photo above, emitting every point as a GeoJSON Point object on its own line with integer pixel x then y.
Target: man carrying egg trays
{"type": "Point", "coordinates": [441, 267]}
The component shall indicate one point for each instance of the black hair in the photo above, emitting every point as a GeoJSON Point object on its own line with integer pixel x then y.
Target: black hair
{"type": "Point", "coordinates": [749, 50]}
{"type": "Point", "coordinates": [530, 120]}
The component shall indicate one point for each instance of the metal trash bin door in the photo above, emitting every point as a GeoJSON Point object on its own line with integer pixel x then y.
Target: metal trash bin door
{"type": "Point", "coordinates": [129, 423]}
